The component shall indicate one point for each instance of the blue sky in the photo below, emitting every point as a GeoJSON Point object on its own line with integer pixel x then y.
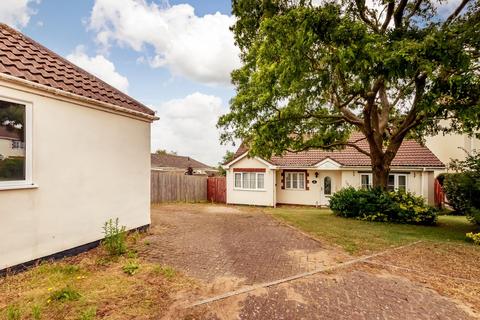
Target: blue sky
{"type": "Point", "coordinates": [176, 59]}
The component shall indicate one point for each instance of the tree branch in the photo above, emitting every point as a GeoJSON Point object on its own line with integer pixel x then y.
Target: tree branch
{"type": "Point", "coordinates": [388, 18]}
{"type": "Point", "coordinates": [333, 145]}
{"type": "Point", "coordinates": [398, 15]}
{"type": "Point", "coordinates": [362, 12]}
{"type": "Point", "coordinates": [416, 6]}
{"type": "Point", "coordinates": [456, 12]}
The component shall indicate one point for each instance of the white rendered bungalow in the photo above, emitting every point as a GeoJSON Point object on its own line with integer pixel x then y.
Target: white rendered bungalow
{"type": "Point", "coordinates": [75, 153]}
{"type": "Point", "coordinates": [311, 177]}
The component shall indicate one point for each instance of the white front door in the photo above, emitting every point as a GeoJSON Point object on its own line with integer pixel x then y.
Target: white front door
{"type": "Point", "coordinates": [326, 188]}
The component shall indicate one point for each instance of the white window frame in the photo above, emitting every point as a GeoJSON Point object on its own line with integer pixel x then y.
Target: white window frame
{"type": "Point", "coordinates": [395, 184]}
{"type": "Point", "coordinates": [291, 173]}
{"type": "Point", "coordinates": [28, 181]}
{"type": "Point", "coordinates": [241, 173]}
{"type": "Point", "coordinates": [370, 180]}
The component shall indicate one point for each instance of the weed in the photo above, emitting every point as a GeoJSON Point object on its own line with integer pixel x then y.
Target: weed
{"type": "Point", "coordinates": [131, 254]}
{"type": "Point", "coordinates": [36, 312]}
{"type": "Point", "coordinates": [115, 236]}
{"type": "Point", "coordinates": [167, 271]}
{"type": "Point", "coordinates": [13, 313]}
{"type": "Point", "coordinates": [65, 294]}
{"type": "Point", "coordinates": [131, 268]}
{"type": "Point", "coordinates": [88, 314]}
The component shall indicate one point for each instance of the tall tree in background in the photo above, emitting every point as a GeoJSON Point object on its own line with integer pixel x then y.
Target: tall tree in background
{"type": "Point", "coordinates": [313, 74]}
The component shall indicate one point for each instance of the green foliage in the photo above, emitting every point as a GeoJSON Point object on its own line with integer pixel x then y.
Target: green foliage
{"type": "Point", "coordinates": [36, 312]}
{"type": "Point", "coordinates": [13, 313]}
{"type": "Point", "coordinates": [473, 237]}
{"type": "Point", "coordinates": [463, 188]}
{"type": "Point", "coordinates": [65, 294]}
{"type": "Point", "coordinates": [131, 267]}
{"type": "Point", "coordinates": [88, 314]}
{"type": "Point", "coordinates": [115, 238]}
{"type": "Point", "coordinates": [226, 159]}
{"type": "Point", "coordinates": [378, 205]}
{"type": "Point", "coordinates": [167, 271]}
{"type": "Point", "coordinates": [311, 75]}
{"type": "Point", "coordinates": [12, 168]}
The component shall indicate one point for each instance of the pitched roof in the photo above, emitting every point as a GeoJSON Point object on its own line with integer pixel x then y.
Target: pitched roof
{"type": "Point", "coordinates": [410, 154]}
{"type": "Point", "coordinates": [174, 161]}
{"type": "Point", "coordinates": [22, 57]}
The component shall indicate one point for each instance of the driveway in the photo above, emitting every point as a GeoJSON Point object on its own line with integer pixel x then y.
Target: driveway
{"type": "Point", "coordinates": [233, 253]}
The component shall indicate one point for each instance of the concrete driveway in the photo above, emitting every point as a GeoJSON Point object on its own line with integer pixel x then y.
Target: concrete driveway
{"type": "Point", "coordinates": [248, 265]}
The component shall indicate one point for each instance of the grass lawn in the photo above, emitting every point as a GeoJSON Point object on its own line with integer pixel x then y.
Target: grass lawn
{"type": "Point", "coordinates": [360, 237]}
{"type": "Point", "coordinates": [92, 285]}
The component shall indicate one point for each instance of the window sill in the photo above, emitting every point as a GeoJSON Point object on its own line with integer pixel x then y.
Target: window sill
{"type": "Point", "coordinates": [18, 186]}
{"type": "Point", "coordinates": [286, 189]}
{"type": "Point", "coordinates": [255, 190]}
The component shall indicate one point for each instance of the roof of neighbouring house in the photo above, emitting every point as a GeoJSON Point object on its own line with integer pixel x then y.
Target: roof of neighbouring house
{"type": "Point", "coordinates": [410, 154]}
{"type": "Point", "coordinates": [174, 161]}
{"type": "Point", "coordinates": [24, 58]}
{"type": "Point", "coordinates": [9, 134]}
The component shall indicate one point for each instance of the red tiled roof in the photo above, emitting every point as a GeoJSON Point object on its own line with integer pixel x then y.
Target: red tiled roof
{"type": "Point", "coordinates": [24, 58]}
{"type": "Point", "coordinates": [410, 154]}
{"type": "Point", "coordinates": [174, 161]}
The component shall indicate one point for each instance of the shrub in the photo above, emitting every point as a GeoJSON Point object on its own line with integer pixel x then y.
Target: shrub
{"type": "Point", "coordinates": [378, 205]}
{"type": "Point", "coordinates": [65, 294]}
{"type": "Point", "coordinates": [115, 238]}
{"type": "Point", "coordinates": [473, 237]}
{"type": "Point", "coordinates": [131, 268]}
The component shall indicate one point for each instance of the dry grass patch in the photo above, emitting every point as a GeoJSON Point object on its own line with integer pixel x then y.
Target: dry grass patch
{"type": "Point", "coordinates": [92, 285]}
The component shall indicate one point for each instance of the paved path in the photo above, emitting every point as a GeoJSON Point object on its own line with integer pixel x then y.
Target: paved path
{"type": "Point", "coordinates": [228, 248]}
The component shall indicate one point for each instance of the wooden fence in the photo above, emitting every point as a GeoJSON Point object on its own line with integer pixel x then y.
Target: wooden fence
{"type": "Point", "coordinates": [217, 189]}
{"type": "Point", "coordinates": [168, 187]}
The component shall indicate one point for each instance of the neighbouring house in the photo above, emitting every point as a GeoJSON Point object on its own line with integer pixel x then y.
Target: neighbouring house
{"type": "Point", "coordinates": [75, 153]}
{"type": "Point", "coordinates": [172, 163]}
{"type": "Point", "coordinates": [311, 177]}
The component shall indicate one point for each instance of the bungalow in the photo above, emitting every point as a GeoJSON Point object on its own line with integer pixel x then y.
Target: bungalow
{"type": "Point", "coordinates": [312, 177]}
{"type": "Point", "coordinates": [173, 163]}
{"type": "Point", "coordinates": [76, 152]}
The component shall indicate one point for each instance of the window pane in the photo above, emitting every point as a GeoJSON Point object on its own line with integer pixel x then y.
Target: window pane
{"type": "Point", "coordinates": [301, 180]}
{"type": "Point", "coordinates": [12, 141]}
{"type": "Point", "coordinates": [327, 185]}
{"type": "Point", "coordinates": [253, 181]}
{"type": "Point", "coordinates": [391, 183]}
{"type": "Point", "coordinates": [238, 180]}
{"type": "Point", "coordinates": [260, 180]}
{"type": "Point", "coordinates": [365, 181]}
{"type": "Point", "coordinates": [294, 181]}
{"type": "Point", "coordinates": [402, 183]}
{"type": "Point", "coordinates": [246, 180]}
{"type": "Point", "coordinates": [288, 180]}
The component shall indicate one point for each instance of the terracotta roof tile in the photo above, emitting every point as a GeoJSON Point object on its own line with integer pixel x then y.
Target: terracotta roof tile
{"type": "Point", "coordinates": [410, 154]}
{"type": "Point", "coordinates": [24, 58]}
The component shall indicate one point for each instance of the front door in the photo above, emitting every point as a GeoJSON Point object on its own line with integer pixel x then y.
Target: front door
{"type": "Point", "coordinates": [326, 189]}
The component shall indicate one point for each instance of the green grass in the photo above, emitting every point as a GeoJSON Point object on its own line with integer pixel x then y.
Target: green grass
{"type": "Point", "coordinates": [359, 237]}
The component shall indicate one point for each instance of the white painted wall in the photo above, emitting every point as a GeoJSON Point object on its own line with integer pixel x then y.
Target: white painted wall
{"type": "Point", "coordinates": [89, 166]}
{"type": "Point", "coordinates": [251, 197]}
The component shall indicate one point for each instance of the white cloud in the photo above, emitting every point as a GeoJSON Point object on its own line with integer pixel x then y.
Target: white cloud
{"type": "Point", "coordinates": [16, 13]}
{"type": "Point", "coordinates": [100, 67]}
{"type": "Point", "coordinates": [199, 48]}
{"type": "Point", "coordinates": [188, 126]}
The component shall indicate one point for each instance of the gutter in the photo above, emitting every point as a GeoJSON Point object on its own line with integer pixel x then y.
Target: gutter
{"type": "Point", "coordinates": [92, 102]}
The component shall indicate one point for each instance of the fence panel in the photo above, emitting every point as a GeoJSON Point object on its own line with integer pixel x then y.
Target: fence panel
{"type": "Point", "coordinates": [217, 189]}
{"type": "Point", "coordinates": [168, 187]}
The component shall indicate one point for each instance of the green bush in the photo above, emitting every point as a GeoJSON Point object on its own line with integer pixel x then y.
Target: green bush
{"type": "Point", "coordinates": [378, 205]}
{"type": "Point", "coordinates": [473, 237]}
{"type": "Point", "coordinates": [115, 238]}
{"type": "Point", "coordinates": [463, 188]}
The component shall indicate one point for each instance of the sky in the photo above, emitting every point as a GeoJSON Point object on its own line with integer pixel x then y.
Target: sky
{"type": "Point", "coordinates": [174, 56]}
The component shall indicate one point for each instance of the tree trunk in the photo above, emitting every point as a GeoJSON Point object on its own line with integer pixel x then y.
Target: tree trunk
{"type": "Point", "coordinates": [380, 170]}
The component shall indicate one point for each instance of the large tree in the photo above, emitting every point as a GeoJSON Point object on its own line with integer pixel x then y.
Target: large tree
{"type": "Point", "coordinates": [314, 73]}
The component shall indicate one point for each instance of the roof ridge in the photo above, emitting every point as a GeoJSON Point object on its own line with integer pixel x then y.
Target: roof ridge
{"type": "Point", "coordinates": [80, 70]}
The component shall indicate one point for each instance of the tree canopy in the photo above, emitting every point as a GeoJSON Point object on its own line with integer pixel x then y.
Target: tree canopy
{"type": "Point", "coordinates": [314, 73]}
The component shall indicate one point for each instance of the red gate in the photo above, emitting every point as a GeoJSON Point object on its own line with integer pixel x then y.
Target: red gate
{"type": "Point", "coordinates": [439, 194]}
{"type": "Point", "coordinates": [217, 189]}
